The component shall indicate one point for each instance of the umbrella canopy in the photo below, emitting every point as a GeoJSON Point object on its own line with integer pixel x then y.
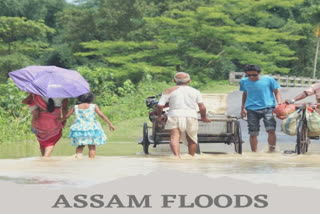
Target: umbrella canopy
{"type": "Point", "coordinates": [50, 81]}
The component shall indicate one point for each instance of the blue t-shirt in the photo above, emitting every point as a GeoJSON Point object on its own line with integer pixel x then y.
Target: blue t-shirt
{"type": "Point", "coordinates": [260, 92]}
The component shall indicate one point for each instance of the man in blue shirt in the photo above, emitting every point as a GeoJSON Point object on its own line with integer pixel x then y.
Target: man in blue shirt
{"type": "Point", "coordinates": [258, 102]}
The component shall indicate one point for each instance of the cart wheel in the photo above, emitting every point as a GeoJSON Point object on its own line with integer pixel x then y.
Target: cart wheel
{"type": "Point", "coordinates": [302, 138]}
{"type": "Point", "coordinates": [238, 138]}
{"type": "Point", "coordinates": [145, 140]}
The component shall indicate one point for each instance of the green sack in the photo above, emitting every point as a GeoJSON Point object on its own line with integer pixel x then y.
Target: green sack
{"type": "Point", "coordinates": [313, 123]}
{"type": "Point", "coordinates": [290, 123]}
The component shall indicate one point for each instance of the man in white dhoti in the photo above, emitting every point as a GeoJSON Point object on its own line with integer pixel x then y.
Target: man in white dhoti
{"type": "Point", "coordinates": [182, 117]}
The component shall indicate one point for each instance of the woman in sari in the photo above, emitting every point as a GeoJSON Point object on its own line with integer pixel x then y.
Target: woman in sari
{"type": "Point", "coordinates": [45, 123]}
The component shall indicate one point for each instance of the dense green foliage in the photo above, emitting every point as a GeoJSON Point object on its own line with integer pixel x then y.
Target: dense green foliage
{"type": "Point", "coordinates": [130, 49]}
{"type": "Point", "coordinates": [207, 38]}
{"type": "Point", "coordinates": [22, 42]}
{"type": "Point", "coordinates": [14, 117]}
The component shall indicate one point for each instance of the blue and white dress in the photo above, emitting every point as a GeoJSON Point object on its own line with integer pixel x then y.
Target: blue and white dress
{"type": "Point", "coordinates": [86, 130]}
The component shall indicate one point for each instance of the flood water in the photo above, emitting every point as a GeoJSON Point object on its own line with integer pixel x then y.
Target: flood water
{"type": "Point", "coordinates": [216, 160]}
{"type": "Point", "coordinates": [262, 167]}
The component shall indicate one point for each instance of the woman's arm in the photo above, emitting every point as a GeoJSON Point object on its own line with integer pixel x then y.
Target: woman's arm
{"type": "Point", "coordinates": [98, 111]}
{"type": "Point", "coordinates": [68, 114]}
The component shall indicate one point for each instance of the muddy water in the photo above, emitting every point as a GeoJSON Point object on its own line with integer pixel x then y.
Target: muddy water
{"type": "Point", "coordinates": [217, 160]}
{"type": "Point", "coordinates": [262, 167]}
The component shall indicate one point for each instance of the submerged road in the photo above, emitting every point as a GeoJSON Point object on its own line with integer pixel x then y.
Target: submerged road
{"type": "Point", "coordinates": [231, 104]}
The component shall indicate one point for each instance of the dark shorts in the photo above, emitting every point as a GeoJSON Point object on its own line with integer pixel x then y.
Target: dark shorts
{"type": "Point", "coordinates": [254, 117]}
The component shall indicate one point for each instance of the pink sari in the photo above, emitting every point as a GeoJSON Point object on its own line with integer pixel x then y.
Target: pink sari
{"type": "Point", "coordinates": [49, 130]}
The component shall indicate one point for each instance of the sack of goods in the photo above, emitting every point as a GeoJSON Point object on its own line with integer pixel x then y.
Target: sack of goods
{"type": "Point", "coordinates": [283, 110]}
{"type": "Point", "coordinates": [313, 122]}
{"type": "Point", "coordinates": [290, 123]}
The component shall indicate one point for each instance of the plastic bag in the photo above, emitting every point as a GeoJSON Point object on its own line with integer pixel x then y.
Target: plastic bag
{"type": "Point", "coordinates": [283, 110]}
{"type": "Point", "coordinates": [290, 123]}
{"type": "Point", "coordinates": [313, 122]}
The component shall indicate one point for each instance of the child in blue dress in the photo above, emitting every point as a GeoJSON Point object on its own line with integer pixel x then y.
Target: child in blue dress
{"type": "Point", "coordinates": [86, 130]}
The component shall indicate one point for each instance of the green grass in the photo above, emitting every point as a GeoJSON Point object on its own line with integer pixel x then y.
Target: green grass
{"type": "Point", "coordinates": [128, 130]}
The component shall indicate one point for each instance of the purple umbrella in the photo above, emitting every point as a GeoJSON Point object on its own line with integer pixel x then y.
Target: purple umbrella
{"type": "Point", "coordinates": [50, 81]}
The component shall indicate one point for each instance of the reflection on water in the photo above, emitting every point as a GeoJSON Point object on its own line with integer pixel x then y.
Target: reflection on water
{"type": "Point", "coordinates": [66, 172]}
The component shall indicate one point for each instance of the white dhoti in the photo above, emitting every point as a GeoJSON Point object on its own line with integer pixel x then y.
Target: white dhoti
{"type": "Point", "coordinates": [187, 126]}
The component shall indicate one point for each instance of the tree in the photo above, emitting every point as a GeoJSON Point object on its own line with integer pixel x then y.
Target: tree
{"type": "Point", "coordinates": [77, 25]}
{"type": "Point", "coordinates": [205, 41]}
{"type": "Point", "coordinates": [33, 9]}
{"type": "Point", "coordinates": [21, 37]}
{"type": "Point", "coordinates": [116, 18]}
{"type": "Point", "coordinates": [10, 7]}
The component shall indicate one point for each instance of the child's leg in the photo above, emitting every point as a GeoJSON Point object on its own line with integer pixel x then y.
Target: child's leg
{"type": "Point", "coordinates": [92, 151]}
{"type": "Point", "coordinates": [79, 150]}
